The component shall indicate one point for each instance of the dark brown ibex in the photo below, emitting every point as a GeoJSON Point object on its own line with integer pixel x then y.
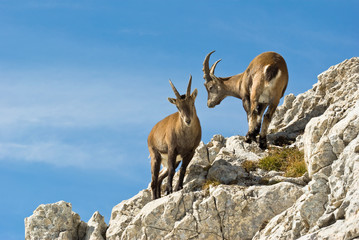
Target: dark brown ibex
{"type": "Point", "coordinates": [261, 85]}
{"type": "Point", "coordinates": [174, 138]}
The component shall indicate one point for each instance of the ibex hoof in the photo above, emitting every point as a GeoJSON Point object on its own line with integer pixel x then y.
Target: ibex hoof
{"type": "Point", "coordinates": [249, 138]}
{"type": "Point", "coordinates": [168, 191]}
{"type": "Point", "coordinates": [263, 143]}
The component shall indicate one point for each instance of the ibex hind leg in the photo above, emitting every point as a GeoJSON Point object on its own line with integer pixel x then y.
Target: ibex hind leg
{"type": "Point", "coordinates": [155, 168]}
{"type": "Point", "coordinates": [171, 170]}
{"type": "Point", "coordinates": [256, 119]}
{"type": "Point", "coordinates": [266, 121]}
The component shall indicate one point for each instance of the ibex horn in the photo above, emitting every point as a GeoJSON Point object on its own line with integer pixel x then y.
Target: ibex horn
{"type": "Point", "coordinates": [189, 86]}
{"type": "Point", "coordinates": [211, 73]}
{"type": "Point", "coordinates": [175, 90]}
{"type": "Point", "coordinates": [205, 69]}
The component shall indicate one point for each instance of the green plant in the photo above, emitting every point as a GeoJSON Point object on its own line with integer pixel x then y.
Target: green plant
{"type": "Point", "coordinates": [288, 160]}
{"type": "Point", "coordinates": [209, 183]}
{"type": "Point", "coordinates": [249, 165]}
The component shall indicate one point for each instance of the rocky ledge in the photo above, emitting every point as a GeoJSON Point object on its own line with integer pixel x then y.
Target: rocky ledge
{"type": "Point", "coordinates": [223, 199]}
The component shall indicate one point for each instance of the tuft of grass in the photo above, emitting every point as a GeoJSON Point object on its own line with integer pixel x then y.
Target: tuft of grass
{"type": "Point", "coordinates": [249, 165]}
{"type": "Point", "coordinates": [296, 169]}
{"type": "Point", "coordinates": [288, 160]}
{"type": "Point", "coordinates": [209, 183]}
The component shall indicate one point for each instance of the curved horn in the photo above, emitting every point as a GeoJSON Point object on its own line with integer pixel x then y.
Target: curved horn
{"type": "Point", "coordinates": [211, 72]}
{"type": "Point", "coordinates": [189, 86]}
{"type": "Point", "coordinates": [175, 90]}
{"type": "Point", "coordinates": [206, 67]}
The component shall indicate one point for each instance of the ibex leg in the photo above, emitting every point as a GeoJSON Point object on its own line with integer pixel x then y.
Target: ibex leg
{"type": "Point", "coordinates": [266, 121]}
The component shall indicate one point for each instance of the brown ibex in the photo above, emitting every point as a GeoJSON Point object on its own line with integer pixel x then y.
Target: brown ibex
{"type": "Point", "coordinates": [174, 138]}
{"type": "Point", "coordinates": [260, 86]}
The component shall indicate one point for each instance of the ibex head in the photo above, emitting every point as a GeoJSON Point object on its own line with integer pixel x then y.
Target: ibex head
{"type": "Point", "coordinates": [213, 84]}
{"type": "Point", "coordinates": [185, 103]}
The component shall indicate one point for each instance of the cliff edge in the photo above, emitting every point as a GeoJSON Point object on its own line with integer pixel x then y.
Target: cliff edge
{"type": "Point", "coordinates": [223, 198]}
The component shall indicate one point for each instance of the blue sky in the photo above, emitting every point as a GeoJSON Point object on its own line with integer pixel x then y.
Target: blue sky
{"type": "Point", "coordinates": [83, 82]}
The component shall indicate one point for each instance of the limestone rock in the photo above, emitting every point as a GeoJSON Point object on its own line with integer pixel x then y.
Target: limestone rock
{"type": "Point", "coordinates": [225, 212]}
{"type": "Point", "coordinates": [54, 222]}
{"type": "Point", "coordinates": [329, 207]}
{"type": "Point", "coordinates": [123, 213]}
{"type": "Point", "coordinates": [96, 228]}
{"type": "Point", "coordinates": [336, 87]}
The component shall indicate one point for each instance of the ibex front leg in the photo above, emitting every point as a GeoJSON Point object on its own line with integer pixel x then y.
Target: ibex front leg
{"type": "Point", "coordinates": [185, 161]}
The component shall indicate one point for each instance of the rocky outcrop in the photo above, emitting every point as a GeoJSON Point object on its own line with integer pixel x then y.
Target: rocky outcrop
{"type": "Point", "coordinates": [220, 199]}
{"type": "Point", "coordinates": [329, 207]}
{"type": "Point", "coordinates": [57, 222]}
{"type": "Point", "coordinates": [224, 199]}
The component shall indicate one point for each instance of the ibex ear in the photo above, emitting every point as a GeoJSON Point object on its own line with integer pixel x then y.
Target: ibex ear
{"type": "Point", "coordinates": [194, 94]}
{"type": "Point", "coordinates": [172, 100]}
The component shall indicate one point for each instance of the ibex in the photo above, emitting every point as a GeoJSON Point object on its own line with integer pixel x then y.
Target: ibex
{"type": "Point", "coordinates": [174, 138]}
{"type": "Point", "coordinates": [260, 86]}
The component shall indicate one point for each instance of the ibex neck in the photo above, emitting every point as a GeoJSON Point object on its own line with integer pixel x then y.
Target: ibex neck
{"type": "Point", "coordinates": [232, 85]}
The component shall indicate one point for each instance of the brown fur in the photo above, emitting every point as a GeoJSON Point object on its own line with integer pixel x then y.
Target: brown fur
{"type": "Point", "coordinates": [173, 137]}
{"type": "Point", "coordinates": [261, 85]}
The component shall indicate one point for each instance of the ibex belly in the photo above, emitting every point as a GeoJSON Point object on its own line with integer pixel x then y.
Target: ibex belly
{"type": "Point", "coordinates": [164, 160]}
{"type": "Point", "coordinates": [270, 90]}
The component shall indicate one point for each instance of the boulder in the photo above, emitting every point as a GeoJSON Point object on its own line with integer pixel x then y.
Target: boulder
{"type": "Point", "coordinates": [54, 221]}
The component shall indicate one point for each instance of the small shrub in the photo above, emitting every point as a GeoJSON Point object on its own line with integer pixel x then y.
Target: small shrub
{"type": "Point", "coordinates": [209, 183]}
{"type": "Point", "coordinates": [271, 163]}
{"type": "Point", "coordinates": [296, 169]}
{"type": "Point", "coordinates": [288, 160]}
{"type": "Point", "coordinates": [249, 165]}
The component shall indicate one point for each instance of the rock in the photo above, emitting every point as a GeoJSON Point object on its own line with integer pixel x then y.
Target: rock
{"type": "Point", "coordinates": [329, 207]}
{"type": "Point", "coordinates": [96, 228]}
{"type": "Point", "coordinates": [337, 86]}
{"type": "Point", "coordinates": [54, 222]}
{"type": "Point", "coordinates": [223, 213]}
{"type": "Point", "coordinates": [214, 146]}
{"type": "Point", "coordinates": [223, 172]}
{"type": "Point", "coordinates": [123, 213]}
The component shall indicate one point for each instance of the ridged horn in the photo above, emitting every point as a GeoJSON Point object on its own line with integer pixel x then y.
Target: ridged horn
{"type": "Point", "coordinates": [206, 69]}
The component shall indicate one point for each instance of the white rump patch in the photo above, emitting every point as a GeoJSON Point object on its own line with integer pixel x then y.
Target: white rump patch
{"type": "Point", "coordinates": [266, 95]}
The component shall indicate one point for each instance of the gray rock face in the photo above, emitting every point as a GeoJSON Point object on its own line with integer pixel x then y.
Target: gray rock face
{"type": "Point", "coordinates": [96, 228]}
{"type": "Point", "coordinates": [54, 222]}
{"type": "Point", "coordinates": [329, 207]}
{"type": "Point", "coordinates": [224, 212]}
{"type": "Point", "coordinates": [221, 199]}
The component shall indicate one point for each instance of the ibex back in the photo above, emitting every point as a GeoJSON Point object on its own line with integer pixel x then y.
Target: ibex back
{"type": "Point", "coordinates": [261, 85]}
{"type": "Point", "coordinates": [174, 138]}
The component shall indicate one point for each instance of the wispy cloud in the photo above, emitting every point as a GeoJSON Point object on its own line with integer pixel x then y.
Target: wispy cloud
{"type": "Point", "coordinates": [71, 122]}
{"type": "Point", "coordinates": [62, 155]}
